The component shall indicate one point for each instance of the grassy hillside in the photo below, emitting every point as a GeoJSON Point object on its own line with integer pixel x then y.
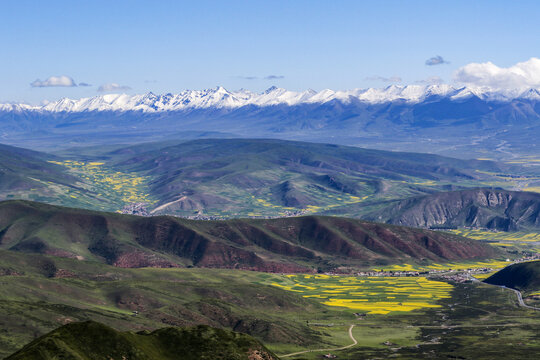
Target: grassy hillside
{"type": "Point", "coordinates": [471, 321]}
{"type": "Point", "coordinates": [30, 175]}
{"type": "Point", "coordinates": [38, 293]}
{"type": "Point", "coordinates": [258, 177]}
{"type": "Point", "coordinates": [524, 277]}
{"type": "Point", "coordinates": [243, 177]}
{"type": "Point", "coordinates": [94, 341]}
{"type": "Point", "coordinates": [24, 170]}
{"type": "Point", "coordinates": [296, 244]}
{"type": "Point", "coordinates": [480, 208]}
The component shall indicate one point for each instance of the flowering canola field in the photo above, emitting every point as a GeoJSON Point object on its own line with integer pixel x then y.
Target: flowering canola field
{"type": "Point", "coordinates": [501, 238]}
{"type": "Point", "coordinates": [108, 184]}
{"type": "Point", "coordinates": [494, 264]}
{"type": "Point", "coordinates": [374, 295]}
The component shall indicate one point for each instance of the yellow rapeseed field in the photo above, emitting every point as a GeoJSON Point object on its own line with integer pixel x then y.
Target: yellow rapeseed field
{"type": "Point", "coordinates": [127, 188]}
{"type": "Point", "coordinates": [374, 295]}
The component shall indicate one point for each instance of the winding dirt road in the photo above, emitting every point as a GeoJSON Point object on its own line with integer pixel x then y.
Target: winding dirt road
{"type": "Point", "coordinates": [333, 349]}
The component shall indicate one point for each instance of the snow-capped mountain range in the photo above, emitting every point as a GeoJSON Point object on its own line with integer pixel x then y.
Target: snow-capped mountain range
{"type": "Point", "coordinates": [222, 98]}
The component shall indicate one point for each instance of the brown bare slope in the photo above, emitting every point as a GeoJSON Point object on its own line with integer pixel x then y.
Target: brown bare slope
{"type": "Point", "coordinates": [278, 245]}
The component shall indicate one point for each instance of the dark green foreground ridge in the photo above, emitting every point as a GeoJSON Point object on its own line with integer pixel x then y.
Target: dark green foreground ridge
{"type": "Point", "coordinates": [523, 277]}
{"type": "Point", "coordinates": [91, 340]}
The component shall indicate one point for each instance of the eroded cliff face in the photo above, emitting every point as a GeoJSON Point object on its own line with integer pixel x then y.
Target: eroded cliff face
{"type": "Point", "coordinates": [482, 208]}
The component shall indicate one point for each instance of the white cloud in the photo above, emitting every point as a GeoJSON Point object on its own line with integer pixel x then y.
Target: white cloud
{"type": "Point", "coordinates": [53, 81]}
{"type": "Point", "coordinates": [521, 75]}
{"type": "Point", "coordinates": [113, 87]}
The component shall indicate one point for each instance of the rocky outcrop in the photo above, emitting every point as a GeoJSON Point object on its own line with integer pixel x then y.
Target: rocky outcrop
{"type": "Point", "coordinates": [481, 208]}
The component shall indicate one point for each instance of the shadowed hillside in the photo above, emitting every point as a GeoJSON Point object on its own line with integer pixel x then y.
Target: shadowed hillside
{"type": "Point", "coordinates": [523, 277]}
{"type": "Point", "coordinates": [24, 170]}
{"type": "Point", "coordinates": [295, 244]}
{"type": "Point", "coordinates": [93, 341]}
{"type": "Point", "coordinates": [482, 208]}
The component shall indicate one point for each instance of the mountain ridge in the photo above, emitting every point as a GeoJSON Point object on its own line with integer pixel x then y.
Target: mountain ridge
{"type": "Point", "coordinates": [220, 97]}
{"type": "Point", "coordinates": [296, 244]}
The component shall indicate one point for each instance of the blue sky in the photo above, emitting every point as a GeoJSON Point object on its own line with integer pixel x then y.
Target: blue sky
{"type": "Point", "coordinates": [168, 46]}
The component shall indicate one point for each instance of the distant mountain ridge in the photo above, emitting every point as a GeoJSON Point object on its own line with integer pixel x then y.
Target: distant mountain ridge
{"type": "Point", "coordinates": [27, 170]}
{"type": "Point", "coordinates": [195, 175]}
{"type": "Point", "coordinates": [435, 118]}
{"type": "Point", "coordinates": [220, 97]}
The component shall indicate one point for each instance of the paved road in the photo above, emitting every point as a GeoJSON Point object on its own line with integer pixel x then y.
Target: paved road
{"type": "Point", "coordinates": [518, 294]}
{"type": "Point", "coordinates": [334, 349]}
{"type": "Point", "coordinates": [520, 299]}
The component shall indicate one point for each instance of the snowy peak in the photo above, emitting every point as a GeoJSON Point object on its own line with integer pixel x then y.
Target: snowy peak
{"type": "Point", "coordinates": [220, 97]}
{"type": "Point", "coordinates": [531, 94]}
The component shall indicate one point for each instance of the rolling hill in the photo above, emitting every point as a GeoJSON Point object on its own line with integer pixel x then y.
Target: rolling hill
{"type": "Point", "coordinates": [296, 244]}
{"type": "Point", "coordinates": [224, 178]}
{"type": "Point", "coordinates": [480, 208]}
{"type": "Point", "coordinates": [245, 177]}
{"type": "Point", "coordinates": [94, 341]}
{"type": "Point", "coordinates": [64, 290]}
{"type": "Point", "coordinates": [523, 277]}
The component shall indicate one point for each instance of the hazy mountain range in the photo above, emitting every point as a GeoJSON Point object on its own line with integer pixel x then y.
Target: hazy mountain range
{"type": "Point", "coordinates": [435, 118]}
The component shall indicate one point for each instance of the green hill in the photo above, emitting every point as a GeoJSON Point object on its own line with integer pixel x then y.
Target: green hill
{"type": "Point", "coordinates": [239, 176]}
{"type": "Point", "coordinates": [295, 244]}
{"type": "Point", "coordinates": [523, 277]}
{"type": "Point", "coordinates": [94, 341]}
{"type": "Point", "coordinates": [41, 292]}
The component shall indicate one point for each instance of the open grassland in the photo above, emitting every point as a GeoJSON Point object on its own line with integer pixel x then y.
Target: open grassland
{"type": "Point", "coordinates": [373, 295]}
{"type": "Point", "coordinates": [477, 321]}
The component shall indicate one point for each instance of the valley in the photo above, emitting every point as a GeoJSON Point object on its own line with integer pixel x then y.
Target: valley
{"type": "Point", "coordinates": [266, 237]}
{"type": "Point", "coordinates": [413, 317]}
{"type": "Point", "coordinates": [254, 180]}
